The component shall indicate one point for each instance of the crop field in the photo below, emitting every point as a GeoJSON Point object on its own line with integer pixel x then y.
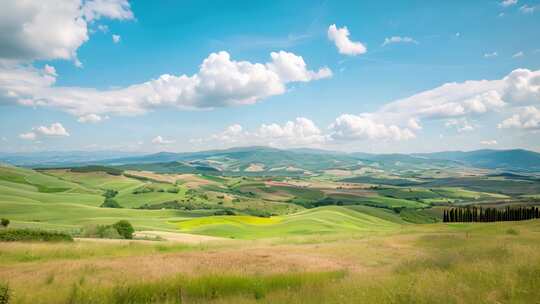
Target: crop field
{"type": "Point", "coordinates": [245, 239]}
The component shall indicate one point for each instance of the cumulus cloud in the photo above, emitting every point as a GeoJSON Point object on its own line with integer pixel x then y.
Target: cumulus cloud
{"type": "Point", "coordinates": [398, 39]}
{"type": "Point", "coordinates": [90, 118]}
{"type": "Point", "coordinates": [455, 105]}
{"type": "Point", "coordinates": [115, 38]}
{"type": "Point", "coordinates": [340, 36]}
{"type": "Point", "coordinates": [159, 140]}
{"type": "Point", "coordinates": [507, 3]}
{"type": "Point", "coordinates": [490, 55]}
{"type": "Point", "coordinates": [464, 100]}
{"type": "Point", "coordinates": [361, 127]}
{"type": "Point", "coordinates": [522, 86]}
{"type": "Point", "coordinates": [54, 130]}
{"type": "Point", "coordinates": [461, 125]}
{"type": "Point", "coordinates": [33, 30]}
{"type": "Point", "coordinates": [220, 82]}
{"type": "Point", "coordinates": [298, 132]}
{"type": "Point", "coordinates": [527, 118]}
{"type": "Point", "coordinates": [113, 9]}
{"type": "Point", "coordinates": [488, 142]}
{"type": "Point", "coordinates": [448, 100]}
{"type": "Point", "coordinates": [291, 67]}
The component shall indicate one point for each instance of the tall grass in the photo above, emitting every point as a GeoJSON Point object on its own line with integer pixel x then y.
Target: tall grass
{"type": "Point", "coordinates": [209, 287]}
{"type": "Point", "coordinates": [16, 252]}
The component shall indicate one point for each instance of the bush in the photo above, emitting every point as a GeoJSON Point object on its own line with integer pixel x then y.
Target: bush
{"type": "Point", "coordinates": [173, 190]}
{"type": "Point", "coordinates": [13, 235]}
{"type": "Point", "coordinates": [224, 212]}
{"type": "Point", "coordinates": [101, 231]}
{"type": "Point", "coordinates": [110, 193]}
{"type": "Point", "coordinates": [512, 231]}
{"type": "Point", "coordinates": [4, 222]}
{"type": "Point", "coordinates": [110, 203]}
{"type": "Point", "coordinates": [124, 228]}
{"type": "Point", "coordinates": [4, 293]}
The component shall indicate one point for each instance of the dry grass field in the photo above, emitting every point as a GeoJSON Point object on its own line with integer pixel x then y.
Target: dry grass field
{"type": "Point", "coordinates": [458, 263]}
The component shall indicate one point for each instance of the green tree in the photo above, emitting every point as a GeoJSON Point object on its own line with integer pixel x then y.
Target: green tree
{"type": "Point", "coordinates": [4, 222]}
{"type": "Point", "coordinates": [124, 228]}
{"type": "Point", "coordinates": [110, 203]}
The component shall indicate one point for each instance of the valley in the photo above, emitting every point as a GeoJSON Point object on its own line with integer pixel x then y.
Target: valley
{"type": "Point", "coordinates": [221, 222]}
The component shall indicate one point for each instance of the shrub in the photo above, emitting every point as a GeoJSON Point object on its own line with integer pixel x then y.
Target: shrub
{"type": "Point", "coordinates": [110, 193]}
{"type": "Point", "coordinates": [4, 293]}
{"type": "Point", "coordinates": [224, 212]}
{"type": "Point", "coordinates": [4, 222]}
{"type": "Point", "coordinates": [142, 190]}
{"type": "Point", "coordinates": [173, 190]}
{"type": "Point", "coordinates": [110, 203]}
{"type": "Point", "coordinates": [102, 231]}
{"type": "Point", "coordinates": [13, 235]}
{"type": "Point", "coordinates": [124, 228]}
{"type": "Point", "coordinates": [512, 231]}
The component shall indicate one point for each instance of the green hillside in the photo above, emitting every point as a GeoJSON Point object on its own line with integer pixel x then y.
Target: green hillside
{"type": "Point", "coordinates": [323, 220]}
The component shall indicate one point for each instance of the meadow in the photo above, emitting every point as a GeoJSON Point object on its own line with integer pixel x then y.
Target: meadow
{"type": "Point", "coordinates": [439, 263]}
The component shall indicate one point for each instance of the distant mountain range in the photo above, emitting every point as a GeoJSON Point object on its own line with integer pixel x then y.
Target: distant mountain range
{"type": "Point", "coordinates": [253, 160]}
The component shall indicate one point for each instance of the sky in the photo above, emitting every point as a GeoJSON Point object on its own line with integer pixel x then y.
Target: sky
{"type": "Point", "coordinates": [369, 76]}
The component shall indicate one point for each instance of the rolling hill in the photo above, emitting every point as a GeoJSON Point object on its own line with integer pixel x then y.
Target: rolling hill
{"type": "Point", "coordinates": [270, 161]}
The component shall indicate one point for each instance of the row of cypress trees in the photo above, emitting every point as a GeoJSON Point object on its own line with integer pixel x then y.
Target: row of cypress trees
{"type": "Point", "coordinates": [474, 214]}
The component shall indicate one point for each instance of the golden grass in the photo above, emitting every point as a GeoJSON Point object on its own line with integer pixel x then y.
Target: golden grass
{"type": "Point", "coordinates": [458, 263]}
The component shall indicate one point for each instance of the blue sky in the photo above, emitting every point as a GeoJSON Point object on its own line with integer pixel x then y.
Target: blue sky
{"type": "Point", "coordinates": [71, 87]}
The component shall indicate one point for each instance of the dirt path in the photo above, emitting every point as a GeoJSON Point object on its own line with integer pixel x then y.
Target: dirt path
{"type": "Point", "coordinates": [179, 237]}
{"type": "Point", "coordinates": [153, 236]}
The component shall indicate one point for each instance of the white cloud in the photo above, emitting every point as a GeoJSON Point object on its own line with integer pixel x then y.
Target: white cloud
{"type": "Point", "coordinates": [461, 125]}
{"type": "Point", "coordinates": [90, 118]}
{"type": "Point", "coordinates": [103, 28]}
{"type": "Point", "coordinates": [340, 36]}
{"type": "Point", "coordinates": [113, 9]}
{"type": "Point", "coordinates": [522, 86]}
{"type": "Point", "coordinates": [467, 99]}
{"type": "Point", "coordinates": [491, 55]}
{"type": "Point", "coordinates": [159, 140]}
{"type": "Point", "coordinates": [518, 54]}
{"type": "Point", "coordinates": [28, 136]}
{"type": "Point", "coordinates": [414, 124]}
{"type": "Point", "coordinates": [455, 105]}
{"type": "Point", "coordinates": [220, 82]}
{"type": "Point", "coordinates": [32, 30]}
{"type": "Point", "coordinates": [527, 118]}
{"type": "Point", "coordinates": [398, 39]}
{"type": "Point", "coordinates": [448, 100]}
{"type": "Point", "coordinates": [115, 38]}
{"type": "Point", "coordinates": [365, 126]}
{"type": "Point", "coordinates": [488, 142]}
{"type": "Point", "coordinates": [296, 133]}
{"type": "Point", "coordinates": [54, 130]}
{"type": "Point", "coordinates": [458, 34]}
{"type": "Point", "coordinates": [291, 67]}
{"type": "Point", "coordinates": [507, 3]}
{"type": "Point", "coordinates": [526, 9]}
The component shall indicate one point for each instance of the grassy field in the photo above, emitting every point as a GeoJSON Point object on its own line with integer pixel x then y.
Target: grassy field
{"type": "Point", "coordinates": [457, 263]}
{"type": "Point", "coordinates": [324, 220]}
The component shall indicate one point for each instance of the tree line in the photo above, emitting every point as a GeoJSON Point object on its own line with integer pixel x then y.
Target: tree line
{"type": "Point", "coordinates": [479, 214]}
